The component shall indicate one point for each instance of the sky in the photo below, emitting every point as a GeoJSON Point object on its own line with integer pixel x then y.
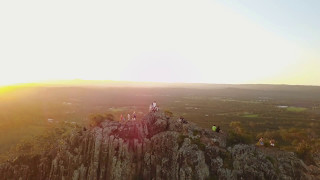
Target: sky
{"type": "Point", "coordinates": [207, 41]}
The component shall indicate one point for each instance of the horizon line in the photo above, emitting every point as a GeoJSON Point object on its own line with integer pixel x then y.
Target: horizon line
{"type": "Point", "coordinates": [73, 82]}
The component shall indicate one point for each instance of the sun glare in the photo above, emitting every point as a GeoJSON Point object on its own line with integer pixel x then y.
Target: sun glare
{"type": "Point", "coordinates": [167, 41]}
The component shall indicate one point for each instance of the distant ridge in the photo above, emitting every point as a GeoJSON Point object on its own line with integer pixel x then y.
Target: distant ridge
{"type": "Point", "coordinates": [113, 83]}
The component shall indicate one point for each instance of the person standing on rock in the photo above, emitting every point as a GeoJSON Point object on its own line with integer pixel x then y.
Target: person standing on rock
{"type": "Point", "coordinates": [214, 128]}
{"type": "Point", "coordinates": [128, 117]}
{"type": "Point", "coordinates": [218, 129]}
{"type": "Point", "coordinates": [272, 142]}
{"type": "Point", "coordinates": [121, 117]}
{"type": "Point", "coordinates": [134, 115]}
{"type": "Point", "coordinates": [261, 143]}
{"type": "Point", "coordinates": [154, 106]}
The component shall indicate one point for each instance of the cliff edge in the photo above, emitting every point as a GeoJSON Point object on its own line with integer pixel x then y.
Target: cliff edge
{"type": "Point", "coordinates": [155, 147]}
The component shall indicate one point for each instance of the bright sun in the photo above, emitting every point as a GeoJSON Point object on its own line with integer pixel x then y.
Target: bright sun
{"type": "Point", "coordinates": [180, 41]}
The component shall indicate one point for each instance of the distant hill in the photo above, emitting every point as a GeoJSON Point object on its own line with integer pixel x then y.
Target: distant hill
{"type": "Point", "coordinates": [228, 90]}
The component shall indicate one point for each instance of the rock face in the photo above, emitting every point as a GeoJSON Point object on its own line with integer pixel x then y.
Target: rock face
{"type": "Point", "coordinates": [155, 148]}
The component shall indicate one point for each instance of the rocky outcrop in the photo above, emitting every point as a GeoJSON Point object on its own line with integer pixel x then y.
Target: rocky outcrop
{"type": "Point", "coordinates": [155, 148]}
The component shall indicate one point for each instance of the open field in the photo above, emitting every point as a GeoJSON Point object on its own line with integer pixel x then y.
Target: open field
{"type": "Point", "coordinates": [251, 115]}
{"type": "Point", "coordinates": [296, 109]}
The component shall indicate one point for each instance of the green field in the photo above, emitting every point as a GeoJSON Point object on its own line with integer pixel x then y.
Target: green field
{"type": "Point", "coordinates": [250, 115]}
{"type": "Point", "coordinates": [296, 109]}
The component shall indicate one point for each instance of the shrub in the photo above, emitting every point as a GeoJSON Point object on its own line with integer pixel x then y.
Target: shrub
{"type": "Point", "coordinates": [235, 138]}
{"type": "Point", "coordinates": [109, 117]}
{"type": "Point", "coordinates": [168, 114]}
{"type": "Point", "coordinates": [96, 120]}
{"type": "Point", "coordinates": [303, 151]}
{"type": "Point", "coordinates": [237, 135]}
{"type": "Point", "coordinates": [36, 145]}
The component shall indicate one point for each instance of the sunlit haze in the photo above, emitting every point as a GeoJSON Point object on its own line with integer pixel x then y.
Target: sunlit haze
{"type": "Point", "coordinates": [161, 41]}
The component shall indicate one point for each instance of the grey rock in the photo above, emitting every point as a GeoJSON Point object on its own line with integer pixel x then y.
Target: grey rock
{"type": "Point", "coordinates": [155, 148]}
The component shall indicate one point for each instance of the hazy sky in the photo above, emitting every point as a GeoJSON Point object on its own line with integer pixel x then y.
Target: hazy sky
{"type": "Point", "coordinates": [212, 41]}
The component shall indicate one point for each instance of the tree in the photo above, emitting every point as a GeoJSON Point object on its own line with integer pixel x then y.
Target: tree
{"type": "Point", "coordinates": [109, 117]}
{"type": "Point", "coordinates": [237, 134]}
{"type": "Point", "coordinates": [168, 114]}
{"type": "Point", "coordinates": [96, 120]}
